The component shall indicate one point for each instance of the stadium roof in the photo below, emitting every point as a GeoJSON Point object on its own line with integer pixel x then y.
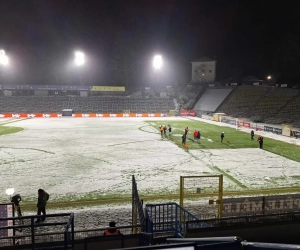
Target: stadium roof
{"type": "Point", "coordinates": [204, 59]}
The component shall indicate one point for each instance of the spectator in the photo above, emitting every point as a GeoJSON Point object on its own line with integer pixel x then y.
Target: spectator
{"type": "Point", "coordinates": [43, 197]}
{"type": "Point", "coordinates": [112, 230]}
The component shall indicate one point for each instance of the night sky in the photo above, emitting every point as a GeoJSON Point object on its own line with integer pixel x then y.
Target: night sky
{"type": "Point", "coordinates": [119, 39]}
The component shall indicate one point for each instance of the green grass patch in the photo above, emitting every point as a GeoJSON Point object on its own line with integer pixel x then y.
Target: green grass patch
{"type": "Point", "coordinates": [5, 130]}
{"type": "Point", "coordinates": [234, 139]}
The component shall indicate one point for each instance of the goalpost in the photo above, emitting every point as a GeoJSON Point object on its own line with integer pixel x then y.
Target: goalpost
{"type": "Point", "coordinates": [195, 187]}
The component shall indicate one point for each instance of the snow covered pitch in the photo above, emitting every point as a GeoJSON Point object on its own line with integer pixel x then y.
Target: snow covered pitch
{"type": "Point", "coordinates": [89, 158]}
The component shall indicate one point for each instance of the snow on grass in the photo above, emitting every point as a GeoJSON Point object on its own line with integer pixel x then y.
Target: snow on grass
{"type": "Point", "coordinates": [89, 158]}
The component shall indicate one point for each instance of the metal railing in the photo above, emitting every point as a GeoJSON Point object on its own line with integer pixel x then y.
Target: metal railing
{"type": "Point", "coordinates": [24, 238]}
{"type": "Point", "coordinates": [30, 234]}
{"type": "Point", "coordinates": [168, 217]}
{"type": "Point", "coordinates": [245, 220]}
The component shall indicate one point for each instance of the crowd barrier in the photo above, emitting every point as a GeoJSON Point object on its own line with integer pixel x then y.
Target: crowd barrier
{"type": "Point", "coordinates": [55, 115]}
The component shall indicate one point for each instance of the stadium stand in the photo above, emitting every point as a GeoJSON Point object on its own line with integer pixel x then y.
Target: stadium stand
{"type": "Point", "coordinates": [92, 104]}
{"type": "Point", "coordinates": [211, 99]}
{"type": "Point", "coordinates": [189, 95]}
{"type": "Point", "coordinates": [270, 104]}
{"type": "Point", "coordinates": [289, 113]}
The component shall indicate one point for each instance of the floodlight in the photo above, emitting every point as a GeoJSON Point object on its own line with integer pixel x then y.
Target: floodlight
{"type": "Point", "coordinates": [157, 62]}
{"type": "Point", "coordinates": [269, 77]}
{"type": "Point", "coordinates": [3, 58]}
{"type": "Point", "coordinates": [10, 191]}
{"type": "Point", "coordinates": [79, 58]}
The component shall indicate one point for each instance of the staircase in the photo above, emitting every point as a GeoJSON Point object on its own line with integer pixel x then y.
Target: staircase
{"type": "Point", "coordinates": [168, 219]}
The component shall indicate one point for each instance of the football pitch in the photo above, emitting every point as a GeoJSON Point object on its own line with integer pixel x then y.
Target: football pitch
{"type": "Point", "coordinates": [88, 159]}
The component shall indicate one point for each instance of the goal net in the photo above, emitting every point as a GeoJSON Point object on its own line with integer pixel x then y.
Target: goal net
{"type": "Point", "coordinates": [202, 195]}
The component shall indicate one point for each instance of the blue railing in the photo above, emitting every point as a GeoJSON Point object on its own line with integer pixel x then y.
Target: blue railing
{"type": "Point", "coordinates": [168, 217]}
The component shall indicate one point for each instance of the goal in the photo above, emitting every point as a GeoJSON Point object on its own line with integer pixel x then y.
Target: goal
{"type": "Point", "coordinates": [202, 195]}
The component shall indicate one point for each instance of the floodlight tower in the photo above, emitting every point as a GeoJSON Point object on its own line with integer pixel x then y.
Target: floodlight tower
{"type": "Point", "coordinates": [79, 61]}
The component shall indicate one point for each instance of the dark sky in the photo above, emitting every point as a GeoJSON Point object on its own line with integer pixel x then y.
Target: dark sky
{"type": "Point", "coordinates": [119, 38]}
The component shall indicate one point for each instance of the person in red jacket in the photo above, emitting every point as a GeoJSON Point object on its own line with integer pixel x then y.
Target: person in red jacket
{"type": "Point", "coordinates": [195, 135]}
{"type": "Point", "coordinates": [112, 230]}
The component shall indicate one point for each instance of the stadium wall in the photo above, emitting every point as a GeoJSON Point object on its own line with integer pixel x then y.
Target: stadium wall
{"type": "Point", "coordinates": [287, 232]}
{"type": "Point", "coordinates": [251, 125]}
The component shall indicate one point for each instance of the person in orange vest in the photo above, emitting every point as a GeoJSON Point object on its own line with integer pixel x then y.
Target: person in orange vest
{"type": "Point", "coordinates": [186, 130]}
{"type": "Point", "coordinates": [112, 230]}
{"type": "Point", "coordinates": [260, 141]}
{"type": "Point", "coordinates": [161, 128]}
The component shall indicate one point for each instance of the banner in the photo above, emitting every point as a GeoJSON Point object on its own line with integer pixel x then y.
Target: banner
{"type": "Point", "coordinates": [83, 115]}
{"type": "Point", "coordinates": [229, 121]}
{"type": "Point", "coordinates": [183, 112]}
{"type": "Point", "coordinates": [296, 134]}
{"type": "Point", "coordinates": [62, 87]}
{"type": "Point", "coordinates": [206, 117]}
{"type": "Point", "coordinates": [273, 130]}
{"type": "Point", "coordinates": [6, 211]}
{"type": "Point", "coordinates": [107, 88]}
{"type": "Point", "coordinates": [191, 113]}
{"type": "Point", "coordinates": [46, 87]}
{"type": "Point", "coordinates": [261, 204]}
{"type": "Point", "coordinates": [268, 129]}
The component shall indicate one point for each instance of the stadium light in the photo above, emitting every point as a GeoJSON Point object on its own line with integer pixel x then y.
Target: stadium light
{"type": "Point", "coordinates": [79, 58]}
{"type": "Point", "coordinates": [10, 191]}
{"type": "Point", "coordinates": [157, 61]}
{"type": "Point", "coordinates": [3, 58]}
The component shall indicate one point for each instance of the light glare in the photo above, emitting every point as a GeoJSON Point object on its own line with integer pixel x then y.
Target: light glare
{"type": "Point", "coordinates": [10, 191]}
{"type": "Point", "coordinates": [3, 58]}
{"type": "Point", "coordinates": [157, 62]}
{"type": "Point", "coordinates": [79, 58]}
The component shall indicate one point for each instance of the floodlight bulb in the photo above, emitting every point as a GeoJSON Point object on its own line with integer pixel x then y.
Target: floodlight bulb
{"type": "Point", "coordinates": [79, 58]}
{"type": "Point", "coordinates": [3, 58]}
{"type": "Point", "coordinates": [157, 62]}
{"type": "Point", "coordinates": [10, 191]}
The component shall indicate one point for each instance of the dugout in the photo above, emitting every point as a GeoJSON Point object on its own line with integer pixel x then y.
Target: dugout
{"type": "Point", "coordinates": [67, 112]}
